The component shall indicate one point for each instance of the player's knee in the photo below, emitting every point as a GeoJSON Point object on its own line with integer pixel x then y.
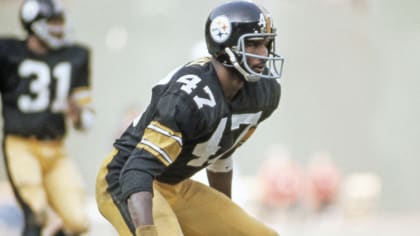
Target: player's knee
{"type": "Point", "coordinates": [35, 198]}
{"type": "Point", "coordinates": [77, 225]}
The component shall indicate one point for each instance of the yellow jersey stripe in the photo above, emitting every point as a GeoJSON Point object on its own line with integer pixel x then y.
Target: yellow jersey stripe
{"type": "Point", "coordinates": [162, 141]}
{"type": "Point", "coordinates": [248, 134]}
{"type": "Point", "coordinates": [82, 89]}
{"type": "Point", "coordinates": [166, 129]}
{"type": "Point", "coordinates": [165, 132]}
{"type": "Point", "coordinates": [154, 153]}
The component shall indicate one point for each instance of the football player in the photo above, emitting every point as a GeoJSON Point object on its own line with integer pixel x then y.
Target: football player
{"type": "Point", "coordinates": [198, 116]}
{"type": "Point", "coordinates": [44, 80]}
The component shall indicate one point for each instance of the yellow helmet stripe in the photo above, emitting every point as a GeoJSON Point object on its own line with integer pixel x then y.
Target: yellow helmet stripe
{"type": "Point", "coordinates": [268, 23]}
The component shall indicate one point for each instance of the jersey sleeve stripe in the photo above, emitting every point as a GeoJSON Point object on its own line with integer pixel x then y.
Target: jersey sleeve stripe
{"type": "Point", "coordinates": [247, 135]}
{"type": "Point", "coordinates": [154, 153]}
{"type": "Point", "coordinates": [84, 102]}
{"type": "Point", "coordinates": [155, 126]}
{"type": "Point", "coordinates": [83, 96]}
{"type": "Point", "coordinates": [80, 91]}
{"type": "Point", "coordinates": [161, 154]}
{"type": "Point", "coordinates": [167, 146]}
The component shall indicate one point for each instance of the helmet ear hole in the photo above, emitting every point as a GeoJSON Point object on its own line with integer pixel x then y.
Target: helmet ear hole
{"type": "Point", "coordinates": [224, 59]}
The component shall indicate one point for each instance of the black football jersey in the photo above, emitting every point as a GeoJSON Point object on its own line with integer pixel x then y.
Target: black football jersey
{"type": "Point", "coordinates": [187, 126]}
{"type": "Point", "coordinates": [35, 88]}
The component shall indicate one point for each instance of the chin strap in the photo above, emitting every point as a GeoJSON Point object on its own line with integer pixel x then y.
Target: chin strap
{"type": "Point", "coordinates": [247, 76]}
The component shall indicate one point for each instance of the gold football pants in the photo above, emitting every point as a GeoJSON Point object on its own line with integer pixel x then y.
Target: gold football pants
{"type": "Point", "coordinates": [188, 208]}
{"type": "Point", "coordinates": [44, 177]}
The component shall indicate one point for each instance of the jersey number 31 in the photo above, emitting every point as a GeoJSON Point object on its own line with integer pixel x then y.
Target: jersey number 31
{"type": "Point", "coordinates": [40, 75]}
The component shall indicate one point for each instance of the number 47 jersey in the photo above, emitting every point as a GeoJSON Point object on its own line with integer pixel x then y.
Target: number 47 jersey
{"type": "Point", "coordinates": [189, 125]}
{"type": "Point", "coordinates": [35, 88]}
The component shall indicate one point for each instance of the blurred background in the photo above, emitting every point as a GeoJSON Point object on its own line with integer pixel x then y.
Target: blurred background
{"type": "Point", "coordinates": [341, 154]}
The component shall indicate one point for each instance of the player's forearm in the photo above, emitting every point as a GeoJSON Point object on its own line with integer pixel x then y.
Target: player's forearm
{"type": "Point", "coordinates": [221, 181]}
{"type": "Point", "coordinates": [140, 208]}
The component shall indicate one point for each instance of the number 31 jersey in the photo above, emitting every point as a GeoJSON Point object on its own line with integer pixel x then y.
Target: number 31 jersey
{"type": "Point", "coordinates": [35, 88]}
{"type": "Point", "coordinates": [188, 126]}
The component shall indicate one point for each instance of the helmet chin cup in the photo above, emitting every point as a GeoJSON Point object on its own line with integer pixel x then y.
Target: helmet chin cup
{"type": "Point", "coordinates": [247, 76]}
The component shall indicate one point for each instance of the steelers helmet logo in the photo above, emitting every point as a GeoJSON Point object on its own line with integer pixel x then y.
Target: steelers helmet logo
{"type": "Point", "coordinates": [30, 10]}
{"type": "Point", "coordinates": [220, 29]}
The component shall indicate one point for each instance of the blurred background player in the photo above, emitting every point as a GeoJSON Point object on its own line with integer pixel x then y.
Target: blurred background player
{"type": "Point", "coordinates": [280, 181]}
{"type": "Point", "coordinates": [198, 116]}
{"type": "Point", "coordinates": [322, 183]}
{"type": "Point", "coordinates": [44, 79]}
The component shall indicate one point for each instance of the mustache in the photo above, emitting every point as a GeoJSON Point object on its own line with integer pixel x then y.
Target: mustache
{"type": "Point", "coordinates": [262, 64]}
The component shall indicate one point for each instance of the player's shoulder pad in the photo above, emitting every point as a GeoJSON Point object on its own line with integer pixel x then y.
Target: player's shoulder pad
{"type": "Point", "coordinates": [187, 80]}
{"type": "Point", "coordinates": [10, 41]}
{"type": "Point", "coordinates": [269, 95]}
{"type": "Point", "coordinates": [79, 50]}
{"type": "Point", "coordinates": [271, 87]}
{"type": "Point", "coordinates": [195, 83]}
{"type": "Point", "coordinates": [10, 45]}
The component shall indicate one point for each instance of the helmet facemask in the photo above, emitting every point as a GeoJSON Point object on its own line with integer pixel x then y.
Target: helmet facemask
{"type": "Point", "coordinates": [238, 57]}
{"type": "Point", "coordinates": [53, 36]}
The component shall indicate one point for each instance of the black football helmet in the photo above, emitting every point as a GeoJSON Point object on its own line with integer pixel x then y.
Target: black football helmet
{"type": "Point", "coordinates": [232, 24]}
{"type": "Point", "coordinates": [34, 16]}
